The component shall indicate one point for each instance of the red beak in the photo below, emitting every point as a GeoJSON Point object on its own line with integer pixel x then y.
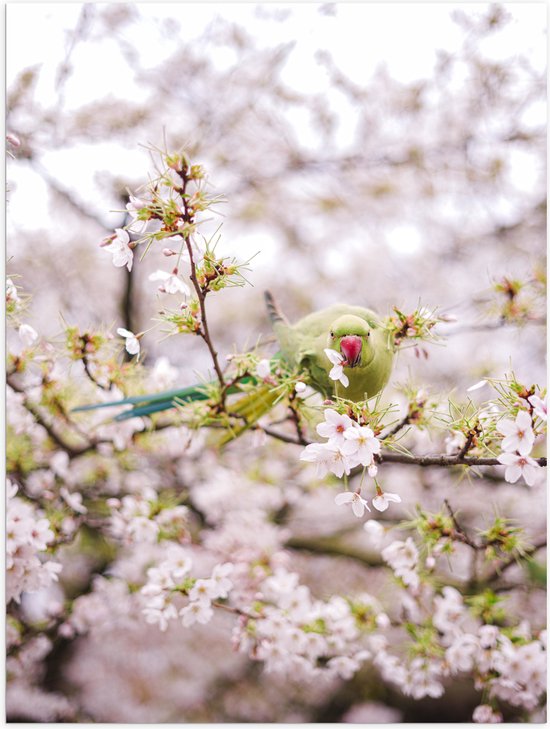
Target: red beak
{"type": "Point", "coordinates": [351, 348]}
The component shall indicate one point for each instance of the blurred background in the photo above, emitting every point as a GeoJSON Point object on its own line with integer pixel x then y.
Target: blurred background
{"type": "Point", "coordinates": [379, 155]}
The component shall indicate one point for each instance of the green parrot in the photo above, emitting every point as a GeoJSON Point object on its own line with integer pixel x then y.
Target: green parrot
{"type": "Point", "coordinates": [358, 368]}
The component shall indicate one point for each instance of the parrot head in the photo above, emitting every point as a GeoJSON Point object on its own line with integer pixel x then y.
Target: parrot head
{"type": "Point", "coordinates": [351, 337]}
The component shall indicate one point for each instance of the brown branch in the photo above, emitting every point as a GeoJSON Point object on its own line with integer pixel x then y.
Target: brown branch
{"type": "Point", "coordinates": [460, 533]}
{"type": "Point", "coordinates": [424, 461]}
{"type": "Point", "coordinates": [58, 439]}
{"type": "Point", "coordinates": [334, 547]}
{"type": "Point", "coordinates": [396, 428]}
{"type": "Point", "coordinates": [441, 460]}
{"type": "Point", "coordinates": [497, 572]}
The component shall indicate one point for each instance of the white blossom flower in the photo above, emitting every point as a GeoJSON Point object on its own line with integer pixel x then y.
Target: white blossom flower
{"type": "Point", "coordinates": [517, 465]}
{"type": "Point", "coordinates": [539, 406]}
{"type": "Point", "coordinates": [11, 292]}
{"type": "Point", "coordinates": [334, 427]}
{"type": "Point", "coordinates": [382, 501]}
{"type": "Point", "coordinates": [27, 335]}
{"type": "Point", "coordinates": [220, 578]}
{"type": "Point", "coordinates": [358, 504]}
{"type": "Point", "coordinates": [172, 283]}
{"type": "Point", "coordinates": [362, 444]}
{"type": "Point", "coordinates": [203, 591]}
{"type": "Point", "coordinates": [484, 714]}
{"type": "Point", "coordinates": [328, 458]}
{"type": "Point", "coordinates": [401, 554]}
{"type": "Point", "coordinates": [519, 433]}
{"type": "Point", "coordinates": [460, 655]}
{"type": "Point", "coordinates": [337, 372]}
{"type": "Point", "coordinates": [263, 369]}
{"type": "Point", "coordinates": [196, 612]}
{"type": "Point", "coordinates": [118, 246]}
{"type": "Point", "coordinates": [132, 342]}
{"type": "Point", "coordinates": [163, 375]}
{"type": "Point", "coordinates": [74, 500]}
{"type": "Point", "coordinates": [376, 531]}
{"type": "Point", "coordinates": [135, 205]}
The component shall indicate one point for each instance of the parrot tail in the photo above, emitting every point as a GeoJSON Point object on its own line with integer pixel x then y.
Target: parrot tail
{"type": "Point", "coordinates": [273, 311]}
{"type": "Point", "coordinates": [147, 404]}
{"type": "Point", "coordinates": [249, 409]}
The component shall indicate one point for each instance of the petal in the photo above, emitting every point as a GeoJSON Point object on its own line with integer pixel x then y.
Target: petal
{"type": "Point", "coordinates": [358, 507]}
{"type": "Point", "coordinates": [523, 420]}
{"type": "Point", "coordinates": [344, 379]}
{"type": "Point", "coordinates": [477, 386]}
{"type": "Point", "coordinates": [511, 442]}
{"type": "Point", "coordinates": [352, 433]}
{"type": "Point", "coordinates": [336, 372]}
{"type": "Point", "coordinates": [507, 459]}
{"type": "Point", "coordinates": [122, 235]}
{"type": "Point", "coordinates": [325, 430]}
{"type": "Point", "coordinates": [343, 498]}
{"type": "Point", "coordinates": [331, 416]}
{"type": "Point", "coordinates": [159, 276]}
{"type": "Point", "coordinates": [512, 473]}
{"type": "Point", "coordinates": [507, 427]}
{"type": "Point", "coordinates": [525, 446]}
{"type": "Point", "coordinates": [529, 474]}
{"type": "Point", "coordinates": [334, 356]}
{"type": "Point", "coordinates": [380, 503]}
{"type": "Point", "coordinates": [124, 332]}
{"type": "Point", "coordinates": [392, 497]}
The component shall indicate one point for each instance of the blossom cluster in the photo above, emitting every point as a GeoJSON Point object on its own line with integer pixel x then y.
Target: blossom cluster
{"type": "Point", "coordinates": [509, 664]}
{"type": "Point", "coordinates": [28, 535]}
{"type": "Point", "coordinates": [139, 518]}
{"type": "Point", "coordinates": [348, 445]}
{"type": "Point", "coordinates": [308, 638]}
{"type": "Point", "coordinates": [170, 580]}
{"type": "Point", "coordinates": [518, 442]}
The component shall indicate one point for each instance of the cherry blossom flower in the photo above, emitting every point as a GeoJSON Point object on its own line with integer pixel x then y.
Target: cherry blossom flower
{"type": "Point", "coordinates": [382, 500]}
{"type": "Point", "coordinates": [196, 612]}
{"type": "Point", "coordinates": [460, 655]}
{"type": "Point", "coordinates": [484, 714]}
{"type": "Point", "coordinates": [539, 406]}
{"type": "Point", "coordinates": [172, 284]}
{"type": "Point", "coordinates": [376, 531]}
{"type": "Point", "coordinates": [263, 369]}
{"type": "Point", "coordinates": [135, 205]}
{"type": "Point", "coordinates": [328, 458]}
{"type": "Point", "coordinates": [518, 465]}
{"type": "Point", "coordinates": [74, 500]}
{"type": "Point", "coordinates": [11, 292]}
{"type": "Point", "coordinates": [132, 342]}
{"type": "Point", "coordinates": [337, 372]}
{"type": "Point", "coordinates": [361, 444]}
{"type": "Point", "coordinates": [220, 578]}
{"type": "Point", "coordinates": [358, 504]}
{"type": "Point", "coordinates": [203, 590]}
{"type": "Point", "coordinates": [118, 246]}
{"type": "Point", "coordinates": [159, 611]}
{"type": "Point", "coordinates": [335, 427]}
{"type": "Point", "coordinates": [518, 433]}
{"type": "Point", "coordinates": [27, 335]}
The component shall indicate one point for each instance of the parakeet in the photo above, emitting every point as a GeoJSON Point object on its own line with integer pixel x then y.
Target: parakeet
{"type": "Point", "coordinates": [362, 348]}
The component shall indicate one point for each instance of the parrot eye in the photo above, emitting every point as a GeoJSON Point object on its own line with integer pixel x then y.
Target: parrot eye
{"type": "Point", "coordinates": [332, 334]}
